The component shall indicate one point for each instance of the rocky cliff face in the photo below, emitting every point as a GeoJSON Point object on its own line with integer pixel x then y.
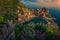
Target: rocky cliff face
{"type": "Point", "coordinates": [7, 31]}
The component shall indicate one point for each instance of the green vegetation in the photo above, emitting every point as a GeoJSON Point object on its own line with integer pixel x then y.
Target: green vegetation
{"type": "Point", "coordinates": [8, 6]}
{"type": "Point", "coordinates": [8, 9]}
{"type": "Point", "coordinates": [1, 19]}
{"type": "Point", "coordinates": [24, 31]}
{"type": "Point", "coordinates": [50, 30]}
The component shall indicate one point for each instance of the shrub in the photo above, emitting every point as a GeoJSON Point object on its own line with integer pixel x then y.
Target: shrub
{"type": "Point", "coordinates": [1, 19]}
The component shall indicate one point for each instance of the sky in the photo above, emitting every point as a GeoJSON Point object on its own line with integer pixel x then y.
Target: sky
{"type": "Point", "coordinates": [42, 3]}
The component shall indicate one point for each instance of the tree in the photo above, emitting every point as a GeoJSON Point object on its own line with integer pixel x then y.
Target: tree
{"type": "Point", "coordinates": [8, 6]}
{"type": "Point", "coordinates": [50, 29]}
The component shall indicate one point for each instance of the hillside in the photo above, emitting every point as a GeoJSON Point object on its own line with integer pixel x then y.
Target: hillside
{"type": "Point", "coordinates": [29, 24]}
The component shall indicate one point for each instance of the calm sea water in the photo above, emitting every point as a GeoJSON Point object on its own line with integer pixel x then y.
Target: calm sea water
{"type": "Point", "coordinates": [56, 14]}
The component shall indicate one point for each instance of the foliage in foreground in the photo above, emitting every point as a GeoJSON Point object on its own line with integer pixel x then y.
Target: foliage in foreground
{"type": "Point", "coordinates": [28, 31]}
{"type": "Point", "coordinates": [1, 19]}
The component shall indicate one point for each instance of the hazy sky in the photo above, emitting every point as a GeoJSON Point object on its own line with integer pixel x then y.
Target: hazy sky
{"type": "Point", "coordinates": [43, 3]}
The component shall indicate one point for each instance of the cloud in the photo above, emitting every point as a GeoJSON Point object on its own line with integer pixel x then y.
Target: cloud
{"type": "Point", "coordinates": [43, 3]}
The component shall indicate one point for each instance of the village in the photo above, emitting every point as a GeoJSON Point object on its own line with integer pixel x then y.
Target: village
{"type": "Point", "coordinates": [18, 27]}
{"type": "Point", "coordinates": [29, 14]}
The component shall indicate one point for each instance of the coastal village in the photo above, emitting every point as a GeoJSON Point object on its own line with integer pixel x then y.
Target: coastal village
{"type": "Point", "coordinates": [29, 14]}
{"type": "Point", "coordinates": [7, 30]}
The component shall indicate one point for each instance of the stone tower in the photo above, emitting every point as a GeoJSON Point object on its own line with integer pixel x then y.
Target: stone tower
{"type": "Point", "coordinates": [7, 31]}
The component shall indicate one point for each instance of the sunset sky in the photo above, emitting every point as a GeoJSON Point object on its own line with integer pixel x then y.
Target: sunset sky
{"type": "Point", "coordinates": [42, 3]}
